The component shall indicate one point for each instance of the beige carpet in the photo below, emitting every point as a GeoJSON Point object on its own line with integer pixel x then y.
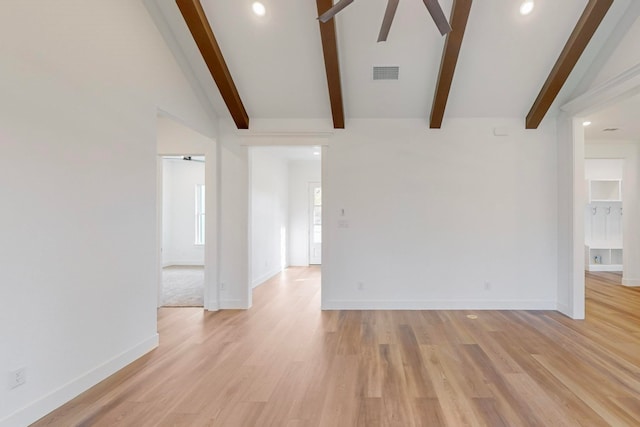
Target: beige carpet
{"type": "Point", "coordinates": [183, 286]}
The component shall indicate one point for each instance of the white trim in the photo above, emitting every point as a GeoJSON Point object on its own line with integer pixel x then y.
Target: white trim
{"type": "Point", "coordinates": [232, 304]}
{"type": "Point", "coordinates": [439, 305]}
{"type": "Point", "coordinates": [212, 306]}
{"type": "Point", "coordinates": [310, 221]}
{"type": "Point", "coordinates": [564, 309]}
{"type": "Point", "coordinates": [325, 273]}
{"type": "Point", "coordinates": [41, 407]}
{"type": "Point", "coordinates": [249, 288]}
{"type": "Point", "coordinates": [270, 274]}
{"type": "Point", "coordinates": [631, 282]}
{"type": "Point", "coordinates": [624, 85]}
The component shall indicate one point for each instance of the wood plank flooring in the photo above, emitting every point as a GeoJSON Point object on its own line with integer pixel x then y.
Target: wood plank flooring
{"type": "Point", "coordinates": [286, 363]}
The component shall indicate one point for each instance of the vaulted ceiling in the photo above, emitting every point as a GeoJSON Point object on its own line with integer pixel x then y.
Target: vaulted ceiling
{"type": "Point", "coordinates": [277, 65]}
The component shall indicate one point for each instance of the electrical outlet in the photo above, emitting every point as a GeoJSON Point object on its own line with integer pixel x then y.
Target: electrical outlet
{"type": "Point", "coordinates": [17, 377]}
{"type": "Point", "coordinates": [487, 286]}
{"type": "Point", "coordinates": [223, 286]}
{"type": "Point", "coordinates": [360, 286]}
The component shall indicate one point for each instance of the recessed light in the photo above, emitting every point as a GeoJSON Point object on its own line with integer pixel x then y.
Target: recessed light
{"type": "Point", "coordinates": [526, 7]}
{"type": "Point", "coordinates": [316, 153]}
{"type": "Point", "coordinates": [587, 123]}
{"type": "Point", "coordinates": [258, 8]}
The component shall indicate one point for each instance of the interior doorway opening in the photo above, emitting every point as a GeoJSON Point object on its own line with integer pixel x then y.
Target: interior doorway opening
{"type": "Point", "coordinates": [603, 215]}
{"type": "Point", "coordinates": [583, 133]}
{"type": "Point", "coordinates": [285, 210]}
{"type": "Point", "coordinates": [183, 231]}
{"type": "Point", "coordinates": [177, 140]}
{"type": "Point", "coordinates": [612, 177]}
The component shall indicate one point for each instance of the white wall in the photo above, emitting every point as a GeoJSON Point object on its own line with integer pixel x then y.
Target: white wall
{"type": "Point", "coordinates": [180, 178]}
{"type": "Point", "coordinates": [630, 152]}
{"type": "Point", "coordinates": [78, 261]}
{"type": "Point", "coordinates": [301, 173]}
{"type": "Point", "coordinates": [434, 214]}
{"type": "Point", "coordinates": [603, 169]}
{"type": "Point", "coordinates": [269, 214]}
{"type": "Point", "coordinates": [233, 215]}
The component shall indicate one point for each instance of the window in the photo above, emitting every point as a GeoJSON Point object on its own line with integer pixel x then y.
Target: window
{"type": "Point", "coordinates": [199, 214]}
{"type": "Point", "coordinates": [317, 215]}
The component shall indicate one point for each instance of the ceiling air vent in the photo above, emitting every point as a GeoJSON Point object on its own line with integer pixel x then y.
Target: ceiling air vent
{"type": "Point", "coordinates": [386, 73]}
{"type": "Point", "coordinates": [610, 129]}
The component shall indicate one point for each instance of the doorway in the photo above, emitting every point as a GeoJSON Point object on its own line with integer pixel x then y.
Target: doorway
{"type": "Point", "coordinates": [603, 214]}
{"type": "Point", "coordinates": [584, 120]}
{"type": "Point", "coordinates": [176, 139]}
{"type": "Point", "coordinates": [285, 210]}
{"type": "Point", "coordinates": [183, 231]}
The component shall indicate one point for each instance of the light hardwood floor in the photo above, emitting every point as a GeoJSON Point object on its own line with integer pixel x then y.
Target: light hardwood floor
{"type": "Point", "coordinates": [286, 363]}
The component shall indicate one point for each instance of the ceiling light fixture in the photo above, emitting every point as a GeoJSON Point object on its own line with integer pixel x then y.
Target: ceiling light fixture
{"type": "Point", "coordinates": [587, 123]}
{"type": "Point", "coordinates": [258, 8]}
{"type": "Point", "coordinates": [316, 153]}
{"type": "Point", "coordinates": [526, 7]}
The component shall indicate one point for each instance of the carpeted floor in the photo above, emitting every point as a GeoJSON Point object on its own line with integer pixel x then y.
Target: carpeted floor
{"type": "Point", "coordinates": [183, 286]}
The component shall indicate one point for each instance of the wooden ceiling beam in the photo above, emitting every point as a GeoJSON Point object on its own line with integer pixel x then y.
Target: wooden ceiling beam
{"type": "Point", "coordinates": [459, 17]}
{"type": "Point", "coordinates": [331, 63]}
{"type": "Point", "coordinates": [198, 24]}
{"type": "Point", "coordinates": [587, 25]}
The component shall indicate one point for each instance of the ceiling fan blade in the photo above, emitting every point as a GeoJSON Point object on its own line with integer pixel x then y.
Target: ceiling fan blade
{"type": "Point", "coordinates": [438, 16]}
{"type": "Point", "coordinates": [335, 9]}
{"type": "Point", "coordinates": [392, 5]}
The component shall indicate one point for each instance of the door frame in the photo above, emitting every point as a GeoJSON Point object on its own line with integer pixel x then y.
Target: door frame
{"type": "Point", "coordinates": [174, 137]}
{"type": "Point", "coordinates": [571, 150]}
{"type": "Point", "coordinates": [278, 139]}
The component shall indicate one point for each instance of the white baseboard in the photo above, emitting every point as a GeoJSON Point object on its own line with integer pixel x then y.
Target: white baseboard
{"type": "Point", "coordinates": [440, 305]}
{"type": "Point", "coordinates": [631, 282]}
{"type": "Point", "coordinates": [213, 305]}
{"type": "Point", "coordinates": [41, 407]}
{"type": "Point", "coordinates": [564, 309]}
{"type": "Point", "coordinates": [233, 304]}
{"type": "Point", "coordinates": [260, 280]}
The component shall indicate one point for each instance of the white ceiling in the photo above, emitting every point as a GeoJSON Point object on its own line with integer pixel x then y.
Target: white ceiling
{"type": "Point", "coordinates": [504, 60]}
{"type": "Point", "coordinates": [277, 63]}
{"type": "Point", "coordinates": [624, 115]}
